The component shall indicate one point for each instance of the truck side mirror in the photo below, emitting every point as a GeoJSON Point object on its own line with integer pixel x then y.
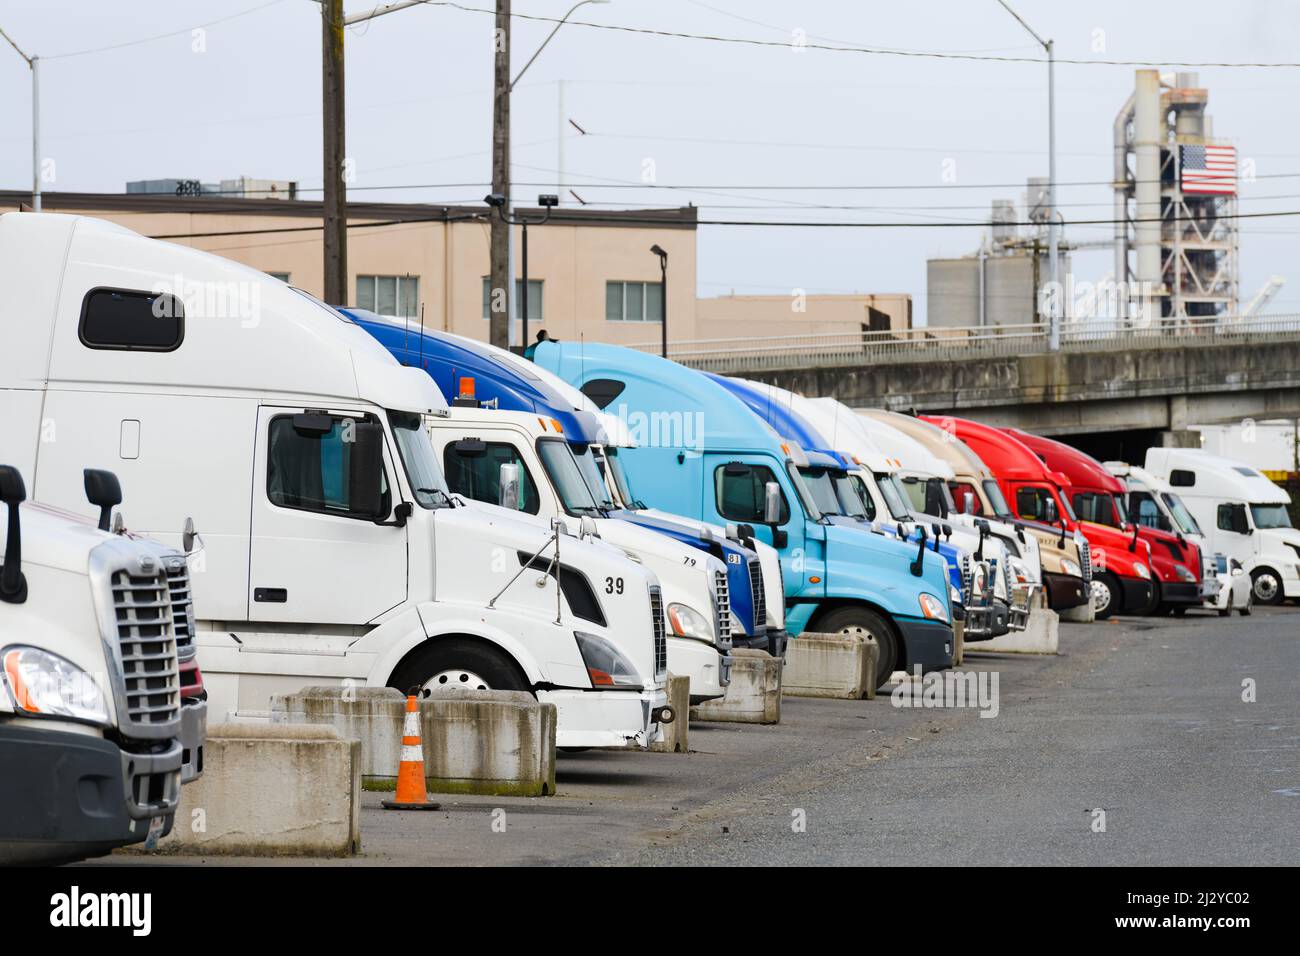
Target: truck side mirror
{"type": "Point", "coordinates": [772, 503]}
{"type": "Point", "coordinates": [104, 492]}
{"type": "Point", "coordinates": [365, 471]}
{"type": "Point", "coordinates": [1049, 511]}
{"type": "Point", "coordinates": [968, 503]}
{"type": "Point", "coordinates": [918, 566]}
{"type": "Point", "coordinates": [508, 486]}
{"type": "Point", "coordinates": [1239, 523]}
{"type": "Point", "coordinates": [13, 586]}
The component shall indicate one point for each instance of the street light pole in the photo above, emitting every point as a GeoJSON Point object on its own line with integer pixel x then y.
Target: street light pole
{"type": "Point", "coordinates": [334, 213]}
{"type": "Point", "coordinates": [1053, 234]}
{"type": "Point", "coordinates": [34, 64]}
{"type": "Point", "coordinates": [663, 298]}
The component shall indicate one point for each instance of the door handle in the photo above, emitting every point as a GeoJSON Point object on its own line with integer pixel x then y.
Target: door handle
{"type": "Point", "coordinates": [270, 595]}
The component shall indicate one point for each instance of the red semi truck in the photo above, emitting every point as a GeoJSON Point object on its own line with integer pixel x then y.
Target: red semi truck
{"type": "Point", "coordinates": [1098, 496]}
{"type": "Point", "coordinates": [1121, 563]}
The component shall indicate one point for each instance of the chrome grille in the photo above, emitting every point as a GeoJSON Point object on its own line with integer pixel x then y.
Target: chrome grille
{"type": "Point", "coordinates": [146, 638]}
{"type": "Point", "coordinates": [967, 579]}
{"type": "Point", "coordinates": [661, 639]}
{"type": "Point", "coordinates": [1085, 559]}
{"type": "Point", "coordinates": [722, 608]}
{"type": "Point", "coordinates": [178, 583]}
{"type": "Point", "coordinates": [759, 594]}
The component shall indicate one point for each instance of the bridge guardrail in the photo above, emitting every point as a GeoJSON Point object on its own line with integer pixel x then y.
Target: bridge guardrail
{"type": "Point", "coordinates": [966, 343]}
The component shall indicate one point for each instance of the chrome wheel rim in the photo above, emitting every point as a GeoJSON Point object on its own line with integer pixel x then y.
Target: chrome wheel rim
{"type": "Point", "coordinates": [1100, 595]}
{"type": "Point", "coordinates": [456, 677]}
{"type": "Point", "coordinates": [1265, 587]}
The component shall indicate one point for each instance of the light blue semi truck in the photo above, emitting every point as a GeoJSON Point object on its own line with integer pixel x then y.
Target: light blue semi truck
{"type": "Point", "coordinates": [703, 453]}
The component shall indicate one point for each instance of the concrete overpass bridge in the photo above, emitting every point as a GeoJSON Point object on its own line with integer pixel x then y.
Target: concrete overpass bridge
{"type": "Point", "coordinates": [1113, 392]}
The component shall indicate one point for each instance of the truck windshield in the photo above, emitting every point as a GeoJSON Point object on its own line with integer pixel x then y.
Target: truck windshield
{"type": "Point", "coordinates": [894, 496]}
{"type": "Point", "coordinates": [819, 485]}
{"type": "Point", "coordinates": [996, 501]}
{"type": "Point", "coordinates": [1182, 517]}
{"type": "Point", "coordinates": [427, 482]}
{"type": "Point", "coordinates": [585, 456]}
{"type": "Point", "coordinates": [619, 476]}
{"type": "Point", "coordinates": [566, 477]}
{"type": "Point", "coordinates": [805, 494]}
{"type": "Point", "coordinates": [1270, 516]}
{"type": "Point", "coordinates": [850, 503]}
{"type": "Point", "coordinates": [864, 495]}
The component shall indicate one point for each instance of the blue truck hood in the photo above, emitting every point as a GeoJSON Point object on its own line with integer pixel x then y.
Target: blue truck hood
{"type": "Point", "coordinates": [951, 553]}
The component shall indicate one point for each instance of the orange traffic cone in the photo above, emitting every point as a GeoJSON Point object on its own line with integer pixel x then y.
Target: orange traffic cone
{"type": "Point", "coordinates": [411, 794]}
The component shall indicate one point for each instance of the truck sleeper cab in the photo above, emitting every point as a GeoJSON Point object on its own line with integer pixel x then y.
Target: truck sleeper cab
{"type": "Point", "coordinates": [1097, 495]}
{"type": "Point", "coordinates": [702, 453]}
{"type": "Point", "coordinates": [333, 551]}
{"type": "Point", "coordinates": [1121, 570]}
{"type": "Point", "coordinates": [1243, 514]}
{"type": "Point", "coordinates": [90, 685]}
{"type": "Point", "coordinates": [1065, 578]}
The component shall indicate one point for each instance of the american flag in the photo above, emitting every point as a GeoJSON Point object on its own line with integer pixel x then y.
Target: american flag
{"type": "Point", "coordinates": [1209, 169]}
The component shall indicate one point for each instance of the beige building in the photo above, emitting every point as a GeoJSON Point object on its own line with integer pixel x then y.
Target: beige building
{"type": "Point", "coordinates": [591, 273]}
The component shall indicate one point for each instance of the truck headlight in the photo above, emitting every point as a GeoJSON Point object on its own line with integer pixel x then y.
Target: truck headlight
{"type": "Point", "coordinates": [687, 622]}
{"type": "Point", "coordinates": [1071, 568]}
{"type": "Point", "coordinates": [1141, 570]}
{"type": "Point", "coordinates": [47, 685]}
{"type": "Point", "coordinates": [954, 596]}
{"type": "Point", "coordinates": [1184, 574]}
{"type": "Point", "coordinates": [606, 664]}
{"type": "Point", "coordinates": [933, 608]}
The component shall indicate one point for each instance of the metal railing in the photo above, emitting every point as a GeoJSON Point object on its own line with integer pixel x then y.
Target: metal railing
{"type": "Point", "coordinates": [820, 349]}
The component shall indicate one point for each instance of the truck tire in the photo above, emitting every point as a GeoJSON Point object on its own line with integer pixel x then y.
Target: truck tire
{"type": "Point", "coordinates": [1154, 606]}
{"type": "Point", "coordinates": [1106, 595]}
{"type": "Point", "coordinates": [457, 662]}
{"type": "Point", "coordinates": [1266, 585]}
{"type": "Point", "coordinates": [866, 622]}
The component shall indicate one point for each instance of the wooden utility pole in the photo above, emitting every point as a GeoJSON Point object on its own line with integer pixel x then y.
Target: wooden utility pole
{"type": "Point", "coordinates": [336, 217]}
{"type": "Point", "coordinates": [500, 293]}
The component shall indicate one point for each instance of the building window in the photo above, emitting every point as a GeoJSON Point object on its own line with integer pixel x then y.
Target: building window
{"type": "Point", "coordinates": [282, 276]}
{"type": "Point", "coordinates": [396, 296]}
{"type": "Point", "coordinates": [634, 301]}
{"type": "Point", "coordinates": [534, 298]}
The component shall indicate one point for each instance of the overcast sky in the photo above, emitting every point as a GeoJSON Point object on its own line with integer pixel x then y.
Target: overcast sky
{"type": "Point", "coordinates": [703, 113]}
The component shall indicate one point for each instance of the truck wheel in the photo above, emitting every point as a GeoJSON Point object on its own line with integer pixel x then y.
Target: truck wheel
{"type": "Point", "coordinates": [457, 662]}
{"type": "Point", "coordinates": [1153, 606]}
{"type": "Point", "coordinates": [1105, 595]}
{"type": "Point", "coordinates": [867, 623]}
{"type": "Point", "coordinates": [1266, 585]}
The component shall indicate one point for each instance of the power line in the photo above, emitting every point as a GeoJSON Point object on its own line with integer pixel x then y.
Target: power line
{"type": "Point", "coordinates": [162, 36]}
{"type": "Point", "coordinates": [866, 50]}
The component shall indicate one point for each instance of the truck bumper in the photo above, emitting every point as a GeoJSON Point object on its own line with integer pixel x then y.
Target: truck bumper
{"type": "Point", "coordinates": [1181, 594]}
{"type": "Point", "coordinates": [1137, 594]}
{"type": "Point", "coordinates": [925, 643]}
{"type": "Point", "coordinates": [709, 671]}
{"type": "Point", "coordinates": [986, 622]}
{"type": "Point", "coordinates": [66, 796]}
{"type": "Point", "coordinates": [605, 718]}
{"type": "Point", "coordinates": [1065, 591]}
{"type": "Point", "coordinates": [1022, 599]}
{"type": "Point", "coordinates": [773, 640]}
{"type": "Point", "coordinates": [194, 731]}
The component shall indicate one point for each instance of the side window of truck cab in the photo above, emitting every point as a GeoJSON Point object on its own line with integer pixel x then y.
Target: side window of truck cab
{"type": "Point", "coordinates": [474, 470]}
{"type": "Point", "coordinates": [313, 470]}
{"type": "Point", "coordinates": [1096, 508]}
{"type": "Point", "coordinates": [1143, 508]}
{"type": "Point", "coordinates": [960, 489]}
{"type": "Point", "coordinates": [1031, 502]}
{"type": "Point", "coordinates": [740, 491]}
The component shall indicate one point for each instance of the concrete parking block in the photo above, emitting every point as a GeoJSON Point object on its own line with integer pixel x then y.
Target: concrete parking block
{"type": "Point", "coordinates": [754, 695]}
{"type": "Point", "coordinates": [1041, 636]}
{"type": "Point", "coordinates": [272, 790]}
{"type": "Point", "coordinates": [486, 742]}
{"type": "Point", "coordinates": [841, 666]}
{"type": "Point", "coordinates": [676, 736]}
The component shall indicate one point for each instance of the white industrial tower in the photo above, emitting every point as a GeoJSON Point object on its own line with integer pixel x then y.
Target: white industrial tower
{"type": "Point", "coordinates": [1175, 201]}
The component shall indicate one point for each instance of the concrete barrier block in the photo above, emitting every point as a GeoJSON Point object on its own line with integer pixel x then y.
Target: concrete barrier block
{"type": "Point", "coordinates": [492, 742]}
{"type": "Point", "coordinates": [487, 742]}
{"type": "Point", "coordinates": [676, 736]}
{"type": "Point", "coordinates": [272, 790]}
{"type": "Point", "coordinates": [958, 642]}
{"type": "Point", "coordinates": [1041, 636]}
{"type": "Point", "coordinates": [1083, 614]}
{"type": "Point", "coordinates": [754, 695]}
{"type": "Point", "coordinates": [830, 665]}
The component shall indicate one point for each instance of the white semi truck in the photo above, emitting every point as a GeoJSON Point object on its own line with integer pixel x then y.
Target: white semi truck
{"type": "Point", "coordinates": [1242, 514]}
{"type": "Point", "coordinates": [253, 423]}
{"type": "Point", "coordinates": [93, 725]}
